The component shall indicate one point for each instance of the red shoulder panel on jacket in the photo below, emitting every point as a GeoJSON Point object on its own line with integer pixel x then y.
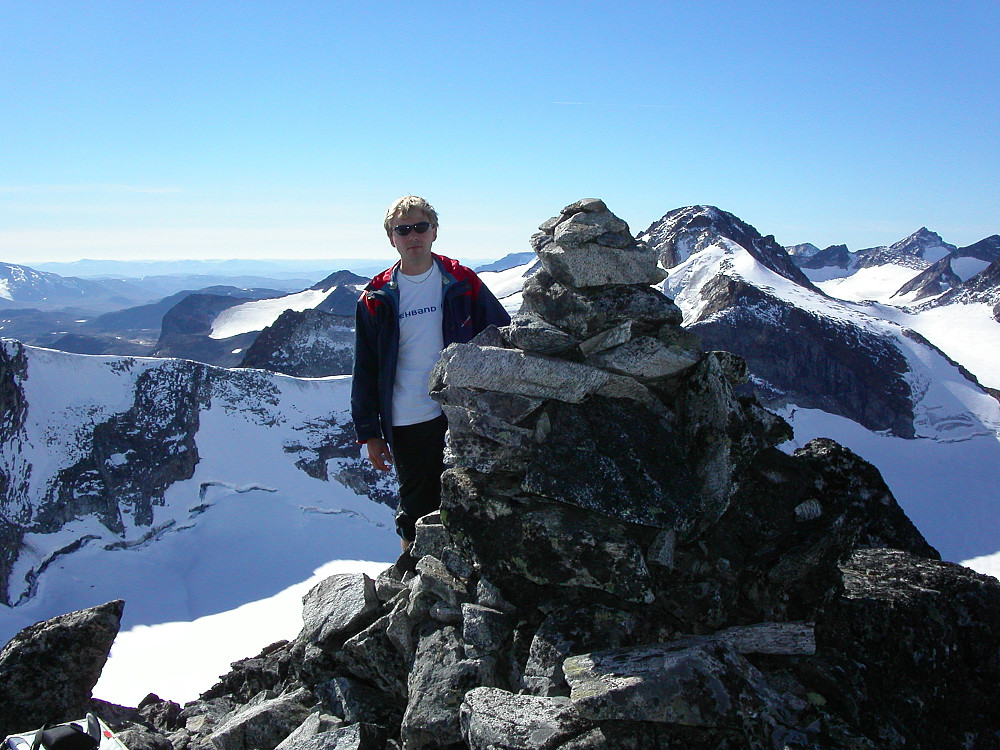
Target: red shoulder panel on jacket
{"type": "Point", "coordinates": [462, 273]}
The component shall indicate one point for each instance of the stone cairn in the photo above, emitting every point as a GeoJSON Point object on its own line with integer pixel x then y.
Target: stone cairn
{"type": "Point", "coordinates": [593, 428]}
{"type": "Point", "coordinates": [622, 559]}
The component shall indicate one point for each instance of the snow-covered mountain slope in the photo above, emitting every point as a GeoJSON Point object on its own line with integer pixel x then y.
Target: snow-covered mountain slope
{"type": "Point", "coordinates": [908, 271]}
{"type": "Point", "coordinates": [506, 285]}
{"type": "Point", "coordinates": [681, 233]}
{"type": "Point", "coordinates": [22, 286]}
{"type": "Point", "coordinates": [983, 288]}
{"type": "Point", "coordinates": [887, 382]}
{"type": "Point", "coordinates": [511, 260]}
{"type": "Point", "coordinates": [872, 283]}
{"type": "Point", "coordinates": [960, 318]}
{"type": "Point", "coordinates": [21, 283]}
{"type": "Point", "coordinates": [696, 288]}
{"type": "Point", "coordinates": [214, 487]}
{"type": "Point", "coordinates": [259, 314]}
{"type": "Point", "coordinates": [968, 333]}
{"type": "Point", "coordinates": [221, 331]}
{"type": "Point", "coordinates": [920, 250]}
{"type": "Point", "coordinates": [337, 294]}
{"type": "Point", "coordinates": [879, 273]}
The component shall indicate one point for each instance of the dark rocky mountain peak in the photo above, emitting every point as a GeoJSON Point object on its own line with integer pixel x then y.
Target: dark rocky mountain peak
{"type": "Point", "coordinates": [920, 250]}
{"type": "Point", "coordinates": [685, 231]}
{"type": "Point", "coordinates": [339, 278]}
{"type": "Point", "coordinates": [795, 354]}
{"type": "Point", "coordinates": [307, 344]}
{"type": "Point", "coordinates": [312, 343]}
{"type": "Point", "coordinates": [834, 256]}
{"type": "Point", "coordinates": [987, 249]}
{"type": "Point", "coordinates": [341, 301]}
{"type": "Point", "coordinates": [984, 288]}
{"type": "Point", "coordinates": [803, 357]}
{"type": "Point", "coordinates": [934, 280]}
{"type": "Point", "coordinates": [802, 251]}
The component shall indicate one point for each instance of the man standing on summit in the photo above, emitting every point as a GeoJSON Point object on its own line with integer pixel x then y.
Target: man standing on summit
{"type": "Point", "coordinates": [406, 315]}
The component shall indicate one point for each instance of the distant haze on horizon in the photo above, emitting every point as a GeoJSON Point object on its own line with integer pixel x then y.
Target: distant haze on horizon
{"type": "Point", "coordinates": [257, 131]}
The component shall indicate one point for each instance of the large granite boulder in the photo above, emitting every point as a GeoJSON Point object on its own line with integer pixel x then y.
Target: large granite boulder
{"type": "Point", "coordinates": [914, 639]}
{"type": "Point", "coordinates": [48, 670]}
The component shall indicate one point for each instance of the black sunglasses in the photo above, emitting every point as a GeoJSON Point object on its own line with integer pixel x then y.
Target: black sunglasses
{"type": "Point", "coordinates": [404, 229]}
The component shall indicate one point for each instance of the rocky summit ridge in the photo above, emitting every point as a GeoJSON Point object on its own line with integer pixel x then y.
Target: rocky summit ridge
{"type": "Point", "coordinates": [622, 559]}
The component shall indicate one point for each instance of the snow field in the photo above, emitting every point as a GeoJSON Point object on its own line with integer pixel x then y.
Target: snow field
{"type": "Point", "coordinates": [180, 660]}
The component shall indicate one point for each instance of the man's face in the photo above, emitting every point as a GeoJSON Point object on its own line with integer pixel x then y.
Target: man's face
{"type": "Point", "coordinates": [413, 248]}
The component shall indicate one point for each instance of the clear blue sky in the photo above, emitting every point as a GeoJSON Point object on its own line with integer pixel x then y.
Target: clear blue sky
{"type": "Point", "coordinates": [198, 129]}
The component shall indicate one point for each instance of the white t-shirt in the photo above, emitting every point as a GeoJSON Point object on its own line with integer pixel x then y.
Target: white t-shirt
{"type": "Point", "coordinates": [421, 339]}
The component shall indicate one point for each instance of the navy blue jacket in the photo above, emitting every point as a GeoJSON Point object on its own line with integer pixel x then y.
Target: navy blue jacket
{"type": "Point", "coordinates": [468, 307]}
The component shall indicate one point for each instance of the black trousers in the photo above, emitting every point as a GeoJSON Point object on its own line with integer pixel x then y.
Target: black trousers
{"type": "Point", "coordinates": [418, 452]}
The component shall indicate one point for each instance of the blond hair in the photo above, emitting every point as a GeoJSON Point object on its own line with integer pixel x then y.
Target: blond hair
{"type": "Point", "coordinates": [406, 204]}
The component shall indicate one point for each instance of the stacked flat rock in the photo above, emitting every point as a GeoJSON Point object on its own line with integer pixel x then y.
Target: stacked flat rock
{"type": "Point", "coordinates": [593, 422]}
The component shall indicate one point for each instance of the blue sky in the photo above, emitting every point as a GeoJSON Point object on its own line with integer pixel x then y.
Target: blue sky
{"type": "Point", "coordinates": [283, 130]}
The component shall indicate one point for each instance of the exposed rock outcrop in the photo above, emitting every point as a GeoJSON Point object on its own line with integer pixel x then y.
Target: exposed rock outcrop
{"type": "Point", "coordinates": [623, 559]}
{"type": "Point", "coordinates": [316, 342]}
{"type": "Point", "coordinates": [306, 344]}
{"type": "Point", "coordinates": [156, 435]}
{"type": "Point", "coordinates": [13, 410]}
{"type": "Point", "coordinates": [984, 288]}
{"type": "Point", "coordinates": [932, 281]}
{"type": "Point", "coordinates": [920, 250]}
{"type": "Point", "coordinates": [812, 360]}
{"type": "Point", "coordinates": [48, 670]}
{"type": "Point", "coordinates": [835, 256]}
{"type": "Point", "coordinates": [987, 249]}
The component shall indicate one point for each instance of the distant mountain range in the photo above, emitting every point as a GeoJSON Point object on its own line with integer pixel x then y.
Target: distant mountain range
{"type": "Point", "coordinates": [925, 264]}
{"type": "Point", "coordinates": [126, 316]}
{"type": "Point", "coordinates": [293, 269]}
{"type": "Point", "coordinates": [24, 287]}
{"type": "Point", "coordinates": [817, 331]}
{"type": "Point", "coordinates": [215, 320]}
